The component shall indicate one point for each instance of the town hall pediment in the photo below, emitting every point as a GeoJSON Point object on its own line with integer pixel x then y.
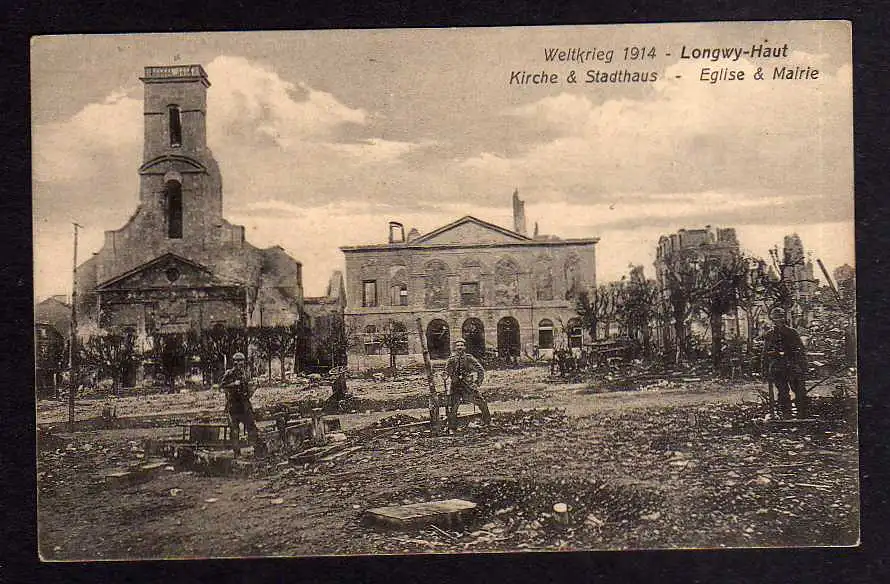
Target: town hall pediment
{"type": "Point", "coordinates": [469, 230]}
{"type": "Point", "coordinates": [164, 272]}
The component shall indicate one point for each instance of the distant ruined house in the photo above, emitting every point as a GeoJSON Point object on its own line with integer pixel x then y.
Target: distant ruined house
{"type": "Point", "coordinates": [325, 315]}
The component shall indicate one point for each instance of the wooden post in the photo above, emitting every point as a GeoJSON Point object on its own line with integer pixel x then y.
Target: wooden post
{"type": "Point", "coordinates": [72, 356]}
{"type": "Point", "coordinates": [434, 404]}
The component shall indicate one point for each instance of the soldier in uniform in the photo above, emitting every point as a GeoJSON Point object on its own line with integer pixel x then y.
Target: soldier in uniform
{"type": "Point", "coordinates": [466, 375]}
{"type": "Point", "coordinates": [784, 364]}
{"type": "Point", "coordinates": [236, 384]}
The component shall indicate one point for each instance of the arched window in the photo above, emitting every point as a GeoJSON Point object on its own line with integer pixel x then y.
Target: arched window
{"type": "Point", "coordinates": [173, 210]}
{"type": "Point", "coordinates": [175, 123]}
{"type": "Point", "coordinates": [545, 334]}
{"type": "Point", "coordinates": [574, 332]}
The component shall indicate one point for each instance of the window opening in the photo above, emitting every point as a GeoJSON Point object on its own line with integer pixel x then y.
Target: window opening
{"type": "Point", "coordinates": [175, 126]}
{"type": "Point", "coordinates": [174, 210]}
{"type": "Point", "coordinates": [369, 293]}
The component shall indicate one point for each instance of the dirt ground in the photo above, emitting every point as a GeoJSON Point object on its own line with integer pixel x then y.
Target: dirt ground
{"type": "Point", "coordinates": [668, 465]}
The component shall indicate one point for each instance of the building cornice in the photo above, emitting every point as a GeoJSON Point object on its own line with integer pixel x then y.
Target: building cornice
{"type": "Point", "coordinates": [518, 244]}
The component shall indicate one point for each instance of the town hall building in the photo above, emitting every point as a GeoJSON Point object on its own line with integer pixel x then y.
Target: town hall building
{"type": "Point", "coordinates": [499, 289]}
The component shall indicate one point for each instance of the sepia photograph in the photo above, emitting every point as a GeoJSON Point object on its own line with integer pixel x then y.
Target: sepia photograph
{"type": "Point", "coordinates": [444, 290]}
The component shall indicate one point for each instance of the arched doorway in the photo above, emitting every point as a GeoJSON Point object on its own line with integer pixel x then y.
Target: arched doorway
{"type": "Point", "coordinates": [473, 332]}
{"type": "Point", "coordinates": [508, 337]}
{"type": "Point", "coordinates": [438, 339]}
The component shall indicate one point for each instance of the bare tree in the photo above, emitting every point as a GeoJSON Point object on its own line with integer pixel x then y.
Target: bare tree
{"type": "Point", "coordinates": [394, 337]}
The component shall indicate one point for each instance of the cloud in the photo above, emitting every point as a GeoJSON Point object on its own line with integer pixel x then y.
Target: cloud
{"type": "Point", "coordinates": [313, 170]}
{"type": "Point", "coordinates": [249, 100]}
{"type": "Point", "coordinates": [93, 144]}
{"type": "Point", "coordinates": [751, 138]}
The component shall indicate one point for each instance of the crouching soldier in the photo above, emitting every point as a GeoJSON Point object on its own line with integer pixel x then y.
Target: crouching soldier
{"type": "Point", "coordinates": [466, 375]}
{"type": "Point", "coordinates": [784, 364]}
{"type": "Point", "coordinates": [236, 384]}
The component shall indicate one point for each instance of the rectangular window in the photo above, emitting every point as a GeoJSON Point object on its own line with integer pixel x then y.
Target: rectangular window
{"type": "Point", "coordinates": [545, 338]}
{"type": "Point", "coordinates": [469, 294]}
{"type": "Point", "coordinates": [175, 127]}
{"type": "Point", "coordinates": [369, 293]}
{"type": "Point", "coordinates": [398, 295]}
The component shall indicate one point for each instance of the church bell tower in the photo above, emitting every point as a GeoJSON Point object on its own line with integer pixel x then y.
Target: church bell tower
{"type": "Point", "coordinates": [180, 183]}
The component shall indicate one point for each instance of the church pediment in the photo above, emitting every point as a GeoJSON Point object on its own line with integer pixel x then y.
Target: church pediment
{"type": "Point", "coordinates": [164, 272]}
{"type": "Point", "coordinates": [171, 162]}
{"type": "Point", "coordinates": [467, 231]}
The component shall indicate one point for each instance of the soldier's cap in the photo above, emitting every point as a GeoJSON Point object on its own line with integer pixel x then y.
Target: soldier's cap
{"type": "Point", "coordinates": [776, 312]}
{"type": "Point", "coordinates": [238, 357]}
{"type": "Point", "coordinates": [460, 342]}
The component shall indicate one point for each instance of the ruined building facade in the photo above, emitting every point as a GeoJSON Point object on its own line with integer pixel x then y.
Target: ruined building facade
{"type": "Point", "coordinates": [499, 289]}
{"type": "Point", "coordinates": [177, 265]}
{"type": "Point", "coordinates": [677, 256]}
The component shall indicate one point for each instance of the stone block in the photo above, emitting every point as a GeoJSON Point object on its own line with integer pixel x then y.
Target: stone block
{"type": "Point", "coordinates": [449, 512]}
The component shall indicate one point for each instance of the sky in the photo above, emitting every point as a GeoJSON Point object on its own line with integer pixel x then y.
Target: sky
{"type": "Point", "coordinates": [323, 137]}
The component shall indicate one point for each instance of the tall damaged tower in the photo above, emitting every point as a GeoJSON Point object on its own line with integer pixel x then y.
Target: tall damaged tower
{"type": "Point", "coordinates": [518, 214]}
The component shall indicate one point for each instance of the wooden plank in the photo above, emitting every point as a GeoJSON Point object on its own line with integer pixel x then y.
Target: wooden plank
{"type": "Point", "coordinates": [313, 454]}
{"type": "Point", "coordinates": [433, 403]}
{"type": "Point", "coordinates": [338, 454]}
{"type": "Point", "coordinates": [449, 511]}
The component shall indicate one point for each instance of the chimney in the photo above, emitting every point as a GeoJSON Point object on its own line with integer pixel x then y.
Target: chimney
{"type": "Point", "coordinates": [396, 232]}
{"type": "Point", "coordinates": [518, 214]}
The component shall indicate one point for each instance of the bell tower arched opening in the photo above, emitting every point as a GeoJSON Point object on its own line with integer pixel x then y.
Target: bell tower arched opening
{"type": "Point", "coordinates": [173, 209]}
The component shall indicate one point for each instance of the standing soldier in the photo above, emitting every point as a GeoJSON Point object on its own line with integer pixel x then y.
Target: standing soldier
{"type": "Point", "coordinates": [784, 364]}
{"type": "Point", "coordinates": [236, 384]}
{"type": "Point", "coordinates": [466, 375]}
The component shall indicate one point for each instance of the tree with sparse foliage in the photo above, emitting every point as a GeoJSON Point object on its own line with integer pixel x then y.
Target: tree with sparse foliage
{"type": "Point", "coordinates": [108, 355]}
{"type": "Point", "coordinates": [394, 337]}
{"type": "Point", "coordinates": [636, 307]}
{"type": "Point", "coordinates": [723, 283]}
{"type": "Point", "coordinates": [683, 285]}
{"type": "Point", "coordinates": [596, 307]}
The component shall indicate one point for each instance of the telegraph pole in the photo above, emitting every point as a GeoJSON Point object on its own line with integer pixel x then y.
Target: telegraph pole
{"type": "Point", "coordinates": [72, 354]}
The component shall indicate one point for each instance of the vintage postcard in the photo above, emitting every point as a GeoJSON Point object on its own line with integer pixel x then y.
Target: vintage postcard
{"type": "Point", "coordinates": [358, 292]}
